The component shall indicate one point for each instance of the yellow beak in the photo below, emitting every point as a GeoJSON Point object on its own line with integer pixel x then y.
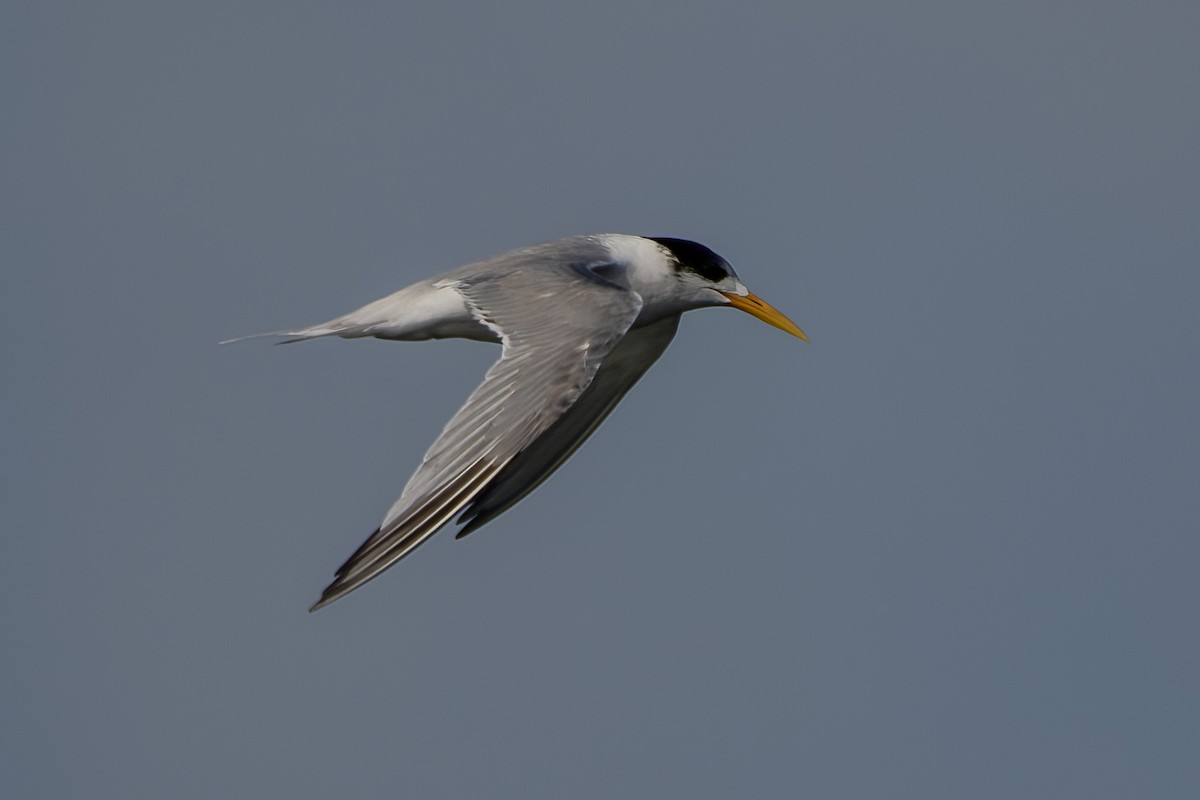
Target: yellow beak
{"type": "Point", "coordinates": [755, 306]}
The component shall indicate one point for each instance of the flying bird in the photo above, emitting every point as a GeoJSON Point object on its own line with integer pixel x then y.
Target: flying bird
{"type": "Point", "coordinates": [580, 320]}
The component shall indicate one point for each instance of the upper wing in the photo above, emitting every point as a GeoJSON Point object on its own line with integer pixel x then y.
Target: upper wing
{"type": "Point", "coordinates": [624, 366]}
{"type": "Point", "coordinates": [556, 325]}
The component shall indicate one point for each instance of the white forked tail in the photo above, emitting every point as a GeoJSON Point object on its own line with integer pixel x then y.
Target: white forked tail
{"type": "Point", "coordinates": [293, 336]}
{"type": "Point", "coordinates": [422, 311]}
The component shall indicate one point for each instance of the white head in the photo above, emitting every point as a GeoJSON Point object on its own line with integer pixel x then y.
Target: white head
{"type": "Point", "coordinates": [677, 275]}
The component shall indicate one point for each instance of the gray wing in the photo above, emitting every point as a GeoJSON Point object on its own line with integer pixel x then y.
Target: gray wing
{"type": "Point", "coordinates": [623, 367]}
{"type": "Point", "coordinates": [556, 324]}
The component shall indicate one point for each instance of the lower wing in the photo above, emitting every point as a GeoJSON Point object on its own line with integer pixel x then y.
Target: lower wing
{"type": "Point", "coordinates": [621, 369]}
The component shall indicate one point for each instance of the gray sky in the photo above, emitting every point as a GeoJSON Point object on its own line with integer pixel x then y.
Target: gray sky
{"type": "Point", "coordinates": [948, 550]}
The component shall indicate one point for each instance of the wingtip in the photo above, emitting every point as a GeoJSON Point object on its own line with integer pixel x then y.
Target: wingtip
{"type": "Point", "coordinates": [472, 524]}
{"type": "Point", "coordinates": [336, 590]}
{"type": "Point", "coordinates": [327, 597]}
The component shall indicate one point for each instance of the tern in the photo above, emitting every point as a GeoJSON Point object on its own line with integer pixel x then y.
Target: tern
{"type": "Point", "coordinates": [580, 320]}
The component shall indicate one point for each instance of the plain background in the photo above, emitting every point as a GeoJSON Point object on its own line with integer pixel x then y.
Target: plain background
{"type": "Point", "coordinates": [948, 550]}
